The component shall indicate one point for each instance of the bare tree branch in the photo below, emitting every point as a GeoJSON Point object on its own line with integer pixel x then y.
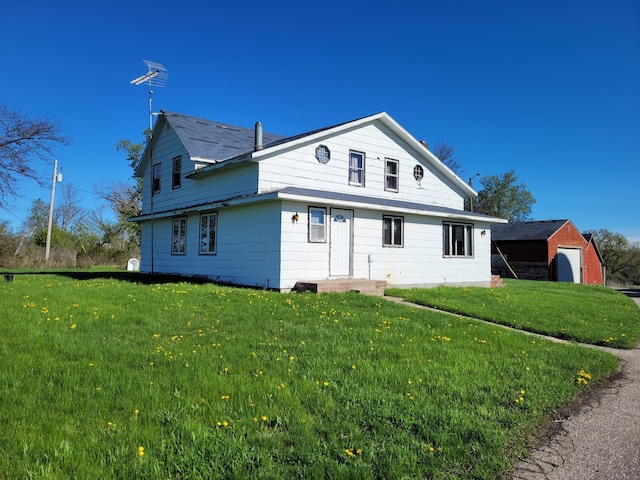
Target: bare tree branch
{"type": "Point", "coordinates": [23, 138]}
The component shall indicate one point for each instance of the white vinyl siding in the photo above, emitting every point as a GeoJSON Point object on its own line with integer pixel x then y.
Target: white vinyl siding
{"type": "Point", "coordinates": [208, 233]}
{"type": "Point", "coordinates": [299, 167]}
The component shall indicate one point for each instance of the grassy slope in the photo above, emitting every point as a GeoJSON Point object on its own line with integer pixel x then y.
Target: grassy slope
{"type": "Point", "coordinates": [217, 382]}
{"type": "Point", "coordinates": [584, 313]}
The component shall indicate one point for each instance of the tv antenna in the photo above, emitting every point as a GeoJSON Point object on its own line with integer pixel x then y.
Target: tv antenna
{"type": "Point", "coordinates": [156, 76]}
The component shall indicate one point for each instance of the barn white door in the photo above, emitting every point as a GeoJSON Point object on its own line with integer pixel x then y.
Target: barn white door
{"type": "Point", "coordinates": [570, 265]}
{"type": "Point", "coordinates": [340, 244]}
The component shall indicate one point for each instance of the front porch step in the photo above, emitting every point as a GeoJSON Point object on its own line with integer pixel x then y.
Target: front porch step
{"type": "Point", "coordinates": [361, 285]}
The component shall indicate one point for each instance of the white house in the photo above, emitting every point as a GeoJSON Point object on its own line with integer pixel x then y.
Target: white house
{"type": "Point", "coordinates": [363, 199]}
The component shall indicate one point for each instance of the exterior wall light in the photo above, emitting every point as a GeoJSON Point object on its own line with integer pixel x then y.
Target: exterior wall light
{"type": "Point", "coordinates": [483, 233]}
{"type": "Point", "coordinates": [295, 218]}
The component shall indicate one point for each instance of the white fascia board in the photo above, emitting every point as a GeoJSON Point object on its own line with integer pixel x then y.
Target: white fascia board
{"type": "Point", "coordinates": [425, 152]}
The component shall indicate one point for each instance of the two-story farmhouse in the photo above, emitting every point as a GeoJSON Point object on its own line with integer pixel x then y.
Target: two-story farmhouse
{"type": "Point", "coordinates": [363, 199]}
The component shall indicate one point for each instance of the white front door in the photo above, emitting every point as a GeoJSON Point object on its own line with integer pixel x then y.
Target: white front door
{"type": "Point", "coordinates": [340, 243]}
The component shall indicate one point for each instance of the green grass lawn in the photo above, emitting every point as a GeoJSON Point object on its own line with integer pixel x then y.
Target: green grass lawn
{"type": "Point", "coordinates": [584, 313]}
{"type": "Point", "coordinates": [106, 378]}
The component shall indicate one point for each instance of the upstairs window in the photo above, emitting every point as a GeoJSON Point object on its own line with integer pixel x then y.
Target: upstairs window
{"type": "Point", "coordinates": [208, 233]}
{"type": "Point", "coordinates": [391, 168]}
{"type": "Point", "coordinates": [356, 168]}
{"type": "Point", "coordinates": [457, 239]}
{"type": "Point", "coordinates": [176, 176]}
{"type": "Point", "coordinates": [392, 231]}
{"type": "Point", "coordinates": [179, 237]}
{"type": "Point", "coordinates": [418, 173]}
{"type": "Point", "coordinates": [317, 225]}
{"type": "Point", "coordinates": [155, 178]}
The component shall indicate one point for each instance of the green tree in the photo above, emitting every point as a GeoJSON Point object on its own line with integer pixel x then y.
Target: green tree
{"type": "Point", "coordinates": [23, 138]}
{"type": "Point", "coordinates": [125, 199]}
{"type": "Point", "coordinates": [502, 197]}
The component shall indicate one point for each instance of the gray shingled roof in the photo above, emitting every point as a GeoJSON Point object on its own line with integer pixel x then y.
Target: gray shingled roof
{"type": "Point", "coordinates": [211, 140]}
{"type": "Point", "coordinates": [540, 230]}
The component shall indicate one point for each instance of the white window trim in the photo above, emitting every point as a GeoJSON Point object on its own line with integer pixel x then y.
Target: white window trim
{"type": "Point", "coordinates": [392, 219]}
{"type": "Point", "coordinates": [181, 240]}
{"type": "Point", "coordinates": [310, 236]}
{"type": "Point", "coordinates": [448, 242]}
{"type": "Point", "coordinates": [357, 170]}
{"type": "Point", "coordinates": [206, 251]}
{"type": "Point", "coordinates": [388, 175]}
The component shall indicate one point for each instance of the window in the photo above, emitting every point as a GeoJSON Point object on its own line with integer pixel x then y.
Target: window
{"type": "Point", "coordinates": [179, 237]}
{"type": "Point", "coordinates": [392, 231]}
{"type": "Point", "coordinates": [391, 168]}
{"type": "Point", "coordinates": [356, 168]}
{"type": "Point", "coordinates": [176, 178]}
{"type": "Point", "coordinates": [317, 230]}
{"type": "Point", "coordinates": [418, 173]}
{"type": "Point", "coordinates": [457, 240]}
{"type": "Point", "coordinates": [323, 155]}
{"type": "Point", "coordinates": [155, 178]}
{"type": "Point", "coordinates": [208, 229]}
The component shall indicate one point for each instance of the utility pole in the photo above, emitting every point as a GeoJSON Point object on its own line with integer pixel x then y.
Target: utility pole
{"type": "Point", "coordinates": [57, 177]}
{"type": "Point", "coordinates": [471, 185]}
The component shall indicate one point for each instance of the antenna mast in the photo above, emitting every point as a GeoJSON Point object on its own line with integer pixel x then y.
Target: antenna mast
{"type": "Point", "coordinates": [156, 76]}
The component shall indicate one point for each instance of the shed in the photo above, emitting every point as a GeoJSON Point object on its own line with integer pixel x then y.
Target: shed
{"type": "Point", "coordinates": [552, 250]}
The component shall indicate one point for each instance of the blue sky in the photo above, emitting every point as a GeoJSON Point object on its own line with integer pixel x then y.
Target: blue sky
{"type": "Point", "coordinates": [550, 89]}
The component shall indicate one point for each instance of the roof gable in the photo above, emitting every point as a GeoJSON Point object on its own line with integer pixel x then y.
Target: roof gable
{"type": "Point", "coordinates": [215, 141]}
{"type": "Point", "coordinates": [523, 231]}
{"type": "Point", "coordinates": [205, 140]}
{"type": "Point", "coordinates": [273, 144]}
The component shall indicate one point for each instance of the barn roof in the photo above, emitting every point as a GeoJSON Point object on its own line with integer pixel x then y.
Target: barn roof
{"type": "Point", "coordinates": [522, 231]}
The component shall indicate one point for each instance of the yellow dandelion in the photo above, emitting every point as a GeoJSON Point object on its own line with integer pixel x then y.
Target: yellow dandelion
{"type": "Point", "coordinates": [140, 451]}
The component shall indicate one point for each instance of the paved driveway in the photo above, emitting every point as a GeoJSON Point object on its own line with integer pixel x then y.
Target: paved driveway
{"type": "Point", "coordinates": [600, 437]}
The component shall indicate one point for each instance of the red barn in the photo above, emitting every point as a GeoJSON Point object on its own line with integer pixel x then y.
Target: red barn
{"type": "Point", "coordinates": [553, 250]}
